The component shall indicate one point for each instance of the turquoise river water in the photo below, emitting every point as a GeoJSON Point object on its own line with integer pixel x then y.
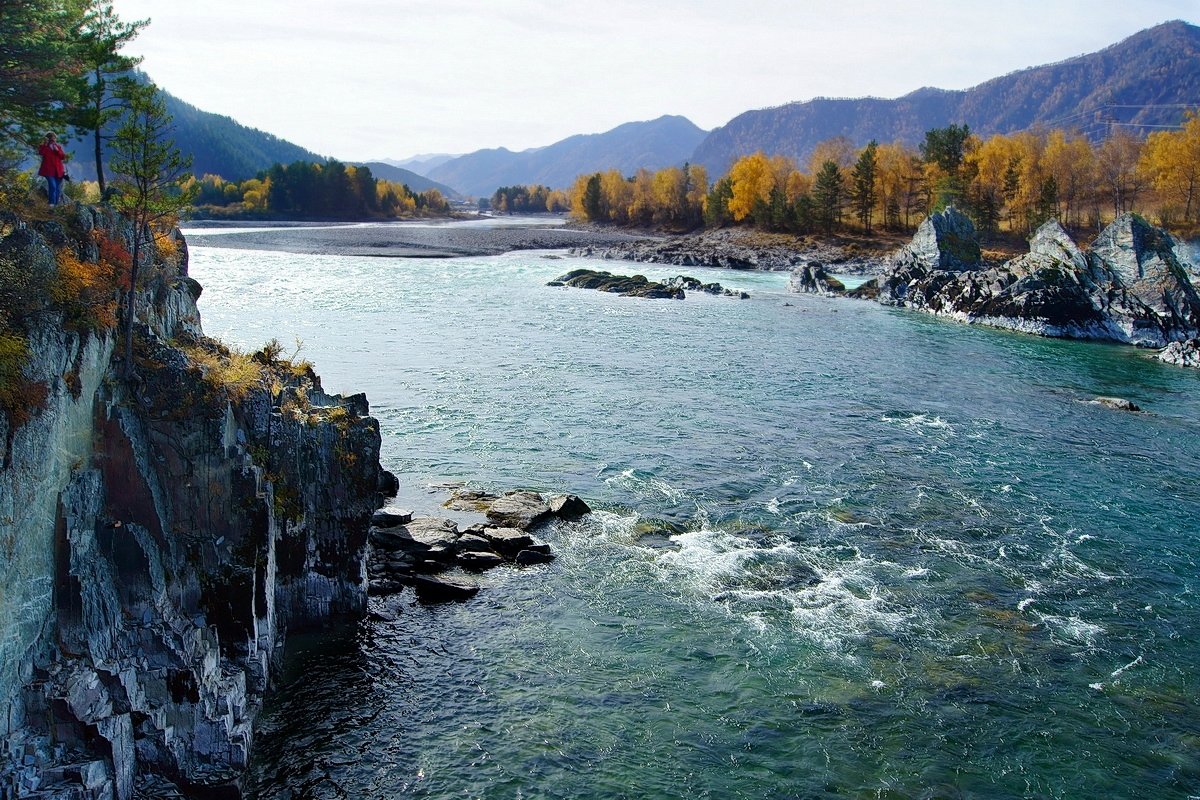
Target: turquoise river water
{"type": "Point", "coordinates": [838, 550]}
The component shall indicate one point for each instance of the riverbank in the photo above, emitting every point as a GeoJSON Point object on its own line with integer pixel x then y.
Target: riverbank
{"type": "Point", "coordinates": [746, 248]}
{"type": "Point", "coordinates": [449, 239]}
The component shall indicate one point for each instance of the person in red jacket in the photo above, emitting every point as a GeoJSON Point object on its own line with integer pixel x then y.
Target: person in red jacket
{"type": "Point", "coordinates": [53, 167]}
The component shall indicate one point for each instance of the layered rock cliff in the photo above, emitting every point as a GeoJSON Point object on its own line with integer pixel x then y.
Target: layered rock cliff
{"type": "Point", "coordinates": [160, 536]}
{"type": "Point", "coordinates": [1130, 286]}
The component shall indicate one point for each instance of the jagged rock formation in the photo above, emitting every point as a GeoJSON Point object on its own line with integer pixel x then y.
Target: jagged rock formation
{"type": "Point", "coordinates": [161, 537]}
{"type": "Point", "coordinates": [640, 286]}
{"type": "Point", "coordinates": [1131, 286]}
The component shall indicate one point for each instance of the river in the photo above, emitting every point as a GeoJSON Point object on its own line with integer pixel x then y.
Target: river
{"type": "Point", "coordinates": [838, 550]}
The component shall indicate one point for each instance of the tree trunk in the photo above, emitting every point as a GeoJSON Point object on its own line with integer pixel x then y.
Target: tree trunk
{"type": "Point", "coordinates": [96, 137]}
{"type": "Point", "coordinates": [130, 300]}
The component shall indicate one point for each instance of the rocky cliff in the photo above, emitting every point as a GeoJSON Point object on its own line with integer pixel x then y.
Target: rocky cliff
{"type": "Point", "coordinates": [1130, 286]}
{"type": "Point", "coordinates": [160, 535]}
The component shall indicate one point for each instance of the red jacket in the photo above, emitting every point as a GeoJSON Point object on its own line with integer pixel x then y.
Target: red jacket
{"type": "Point", "coordinates": [53, 157]}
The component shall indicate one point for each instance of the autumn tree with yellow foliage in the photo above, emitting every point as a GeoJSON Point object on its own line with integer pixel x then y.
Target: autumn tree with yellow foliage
{"type": "Point", "coordinates": [1172, 159]}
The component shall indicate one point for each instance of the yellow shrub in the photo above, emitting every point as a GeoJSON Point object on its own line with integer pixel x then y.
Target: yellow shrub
{"type": "Point", "coordinates": [87, 291]}
{"type": "Point", "coordinates": [167, 246]}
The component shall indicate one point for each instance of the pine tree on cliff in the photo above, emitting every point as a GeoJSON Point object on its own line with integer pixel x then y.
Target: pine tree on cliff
{"type": "Point", "coordinates": [101, 38]}
{"type": "Point", "coordinates": [148, 169]}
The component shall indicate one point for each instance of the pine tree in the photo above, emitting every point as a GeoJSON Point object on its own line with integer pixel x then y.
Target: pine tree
{"type": "Point", "coordinates": [862, 189]}
{"type": "Point", "coordinates": [827, 196]}
{"type": "Point", "coordinates": [102, 36]}
{"type": "Point", "coordinates": [39, 59]}
{"type": "Point", "coordinates": [148, 169]}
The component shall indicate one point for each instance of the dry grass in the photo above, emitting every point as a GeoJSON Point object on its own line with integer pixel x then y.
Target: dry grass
{"type": "Point", "coordinates": [230, 372]}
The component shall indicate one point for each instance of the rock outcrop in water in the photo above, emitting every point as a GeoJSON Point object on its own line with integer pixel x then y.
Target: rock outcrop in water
{"type": "Point", "coordinates": [408, 551]}
{"type": "Point", "coordinates": [813, 279]}
{"type": "Point", "coordinates": [1131, 286]}
{"type": "Point", "coordinates": [640, 286]}
{"type": "Point", "coordinates": [161, 537]}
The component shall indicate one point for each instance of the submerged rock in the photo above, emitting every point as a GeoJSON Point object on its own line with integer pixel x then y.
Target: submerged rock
{"type": "Point", "coordinates": [469, 500]}
{"type": "Point", "coordinates": [1117, 403]}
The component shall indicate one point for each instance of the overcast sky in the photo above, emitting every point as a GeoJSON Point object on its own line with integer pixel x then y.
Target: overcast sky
{"type": "Point", "coordinates": [368, 79]}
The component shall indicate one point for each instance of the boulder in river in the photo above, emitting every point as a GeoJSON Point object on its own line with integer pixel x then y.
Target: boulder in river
{"type": "Point", "coordinates": [568, 506]}
{"type": "Point", "coordinates": [521, 510]}
{"type": "Point", "coordinates": [624, 285]}
{"type": "Point", "coordinates": [812, 278]}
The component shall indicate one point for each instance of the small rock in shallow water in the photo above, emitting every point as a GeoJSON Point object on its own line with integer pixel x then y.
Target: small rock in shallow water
{"type": "Point", "coordinates": [470, 543]}
{"type": "Point", "coordinates": [469, 500]}
{"type": "Point", "coordinates": [568, 506]}
{"type": "Point", "coordinates": [479, 561]}
{"type": "Point", "coordinates": [529, 556]}
{"type": "Point", "coordinates": [507, 540]}
{"type": "Point", "coordinates": [442, 590]}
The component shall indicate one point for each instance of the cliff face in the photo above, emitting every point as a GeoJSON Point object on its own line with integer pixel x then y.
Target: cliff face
{"type": "Point", "coordinates": [161, 536]}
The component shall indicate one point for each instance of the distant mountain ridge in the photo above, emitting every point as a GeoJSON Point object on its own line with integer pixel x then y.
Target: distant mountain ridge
{"type": "Point", "coordinates": [1145, 79]}
{"type": "Point", "coordinates": [218, 145]}
{"type": "Point", "coordinates": [418, 183]}
{"type": "Point", "coordinates": [420, 163]}
{"type": "Point", "coordinates": [653, 144]}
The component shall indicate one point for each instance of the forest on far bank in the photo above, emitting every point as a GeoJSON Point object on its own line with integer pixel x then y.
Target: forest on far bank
{"type": "Point", "coordinates": [1006, 183]}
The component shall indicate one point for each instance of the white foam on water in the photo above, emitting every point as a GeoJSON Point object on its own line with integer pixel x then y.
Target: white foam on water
{"type": "Point", "coordinates": [919, 423]}
{"type": "Point", "coordinates": [1071, 630]}
{"type": "Point", "coordinates": [845, 600]}
{"type": "Point", "coordinates": [1118, 672]}
{"type": "Point", "coordinates": [638, 483]}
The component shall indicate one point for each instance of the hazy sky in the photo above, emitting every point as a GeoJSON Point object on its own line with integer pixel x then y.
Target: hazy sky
{"type": "Point", "coordinates": [366, 79]}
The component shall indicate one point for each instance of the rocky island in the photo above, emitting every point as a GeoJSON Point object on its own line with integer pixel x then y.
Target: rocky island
{"type": "Point", "coordinates": [1131, 286]}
